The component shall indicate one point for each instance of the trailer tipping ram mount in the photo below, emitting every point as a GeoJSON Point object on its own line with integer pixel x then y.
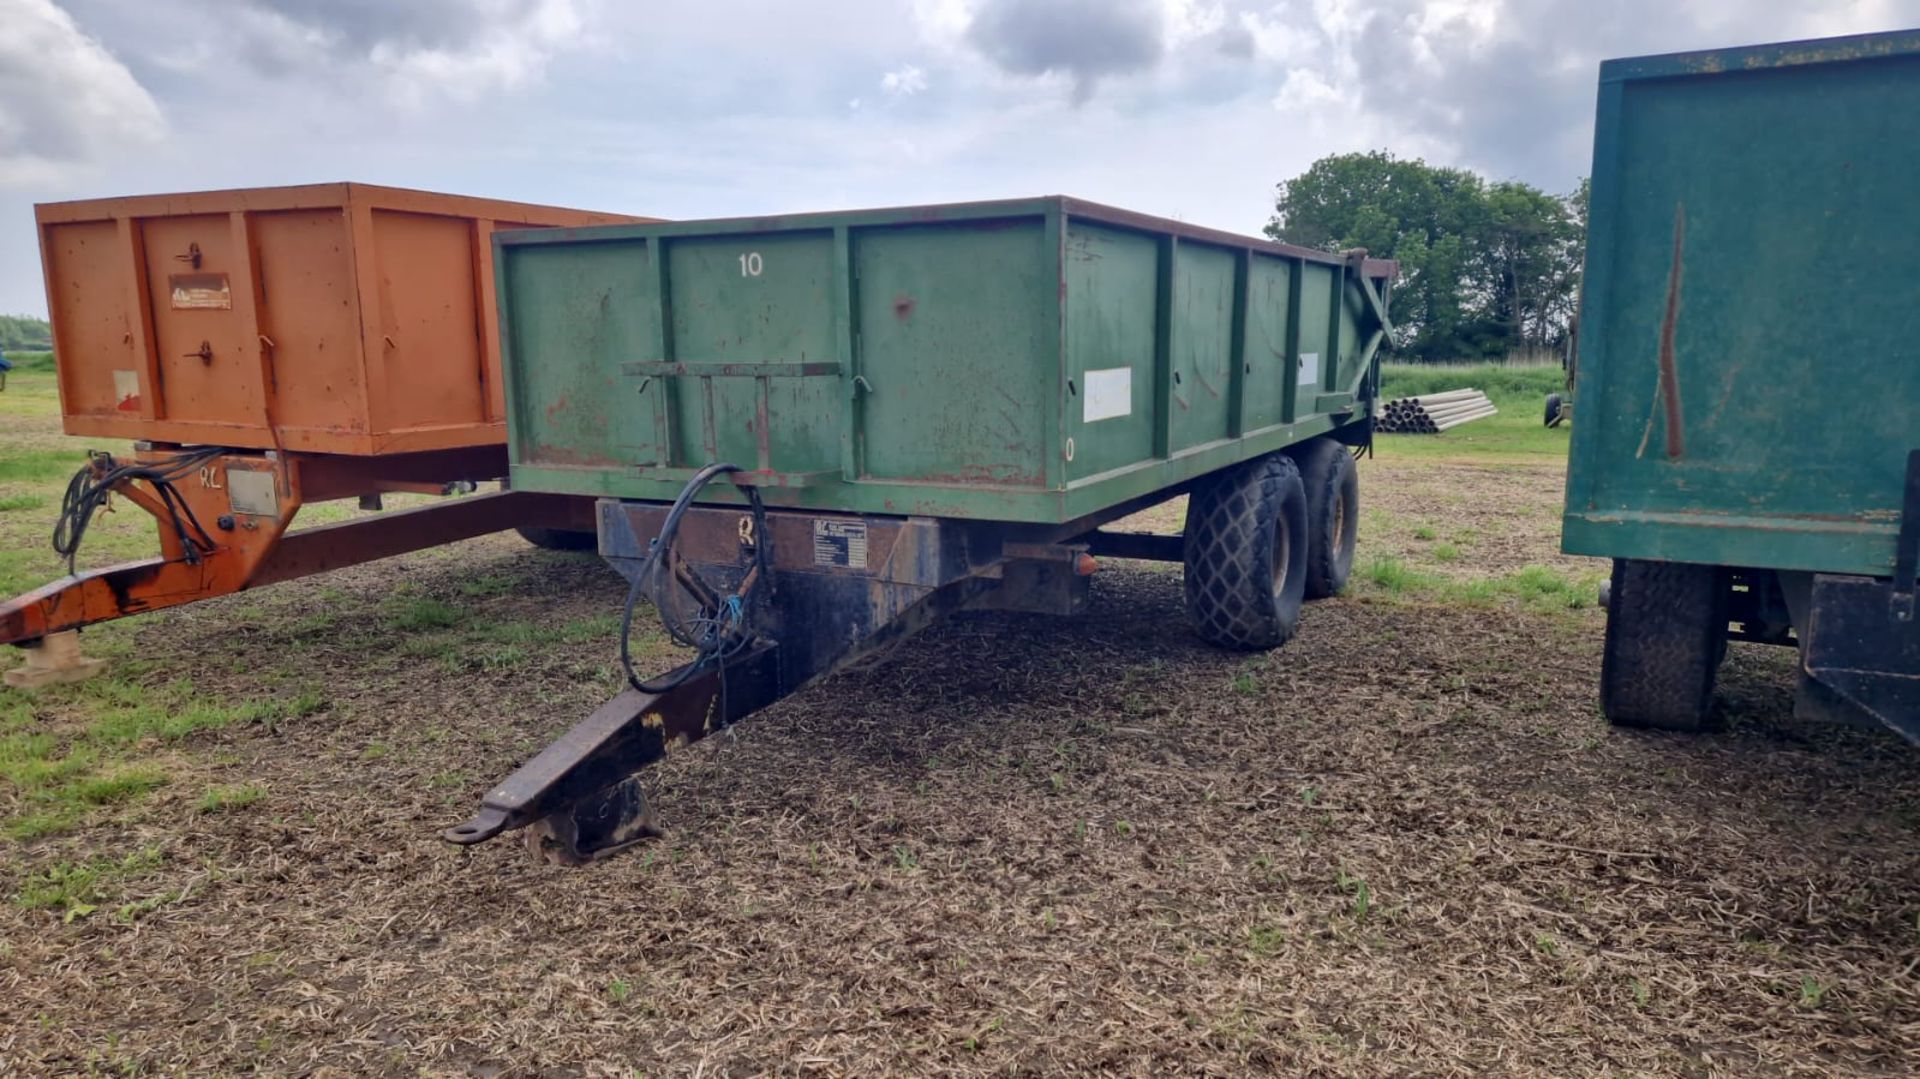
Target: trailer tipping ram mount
{"type": "Point", "coordinates": [811, 437]}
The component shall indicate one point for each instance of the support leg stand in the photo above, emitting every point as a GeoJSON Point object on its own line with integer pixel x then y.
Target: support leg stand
{"type": "Point", "coordinates": [54, 660]}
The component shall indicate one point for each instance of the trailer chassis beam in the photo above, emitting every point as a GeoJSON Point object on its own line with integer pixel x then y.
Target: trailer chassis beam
{"type": "Point", "coordinates": [579, 794]}
{"type": "Point", "coordinates": [844, 588]}
{"type": "Point", "coordinates": [247, 500]}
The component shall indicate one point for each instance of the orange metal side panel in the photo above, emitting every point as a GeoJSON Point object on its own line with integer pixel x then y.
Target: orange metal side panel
{"type": "Point", "coordinates": [87, 293]}
{"type": "Point", "coordinates": [313, 321]}
{"type": "Point", "coordinates": [206, 351]}
{"type": "Point", "coordinates": [429, 321]}
{"type": "Point", "coordinates": [329, 318]}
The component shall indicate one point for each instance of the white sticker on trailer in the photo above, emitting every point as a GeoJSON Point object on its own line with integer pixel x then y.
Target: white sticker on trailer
{"type": "Point", "coordinates": [1309, 368]}
{"type": "Point", "coordinates": [1109, 394]}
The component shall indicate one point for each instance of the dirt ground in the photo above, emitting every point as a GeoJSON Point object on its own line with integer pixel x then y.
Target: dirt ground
{"type": "Point", "coordinates": [1406, 844]}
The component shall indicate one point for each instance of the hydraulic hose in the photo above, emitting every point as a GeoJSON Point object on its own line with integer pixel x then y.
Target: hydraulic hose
{"type": "Point", "coordinates": [90, 487]}
{"type": "Point", "coordinates": [719, 630]}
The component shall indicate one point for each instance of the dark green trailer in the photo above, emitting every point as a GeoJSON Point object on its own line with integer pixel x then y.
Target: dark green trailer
{"type": "Point", "coordinates": [1748, 383]}
{"type": "Point", "coordinates": [811, 436]}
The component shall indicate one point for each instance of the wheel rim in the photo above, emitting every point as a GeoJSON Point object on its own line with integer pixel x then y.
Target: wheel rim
{"type": "Point", "coordinates": [1282, 556]}
{"type": "Point", "coordinates": [1339, 521]}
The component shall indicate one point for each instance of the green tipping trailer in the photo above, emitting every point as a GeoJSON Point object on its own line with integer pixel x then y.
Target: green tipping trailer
{"type": "Point", "coordinates": [1749, 393]}
{"type": "Point", "coordinates": [811, 436]}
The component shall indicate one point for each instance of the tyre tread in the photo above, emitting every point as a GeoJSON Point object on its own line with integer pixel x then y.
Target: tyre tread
{"type": "Point", "coordinates": [1326, 467]}
{"type": "Point", "coordinates": [1666, 634]}
{"type": "Point", "coordinates": [1229, 584]}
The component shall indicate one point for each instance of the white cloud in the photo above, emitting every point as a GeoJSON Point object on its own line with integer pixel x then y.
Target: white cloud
{"type": "Point", "coordinates": [906, 82]}
{"type": "Point", "coordinates": [513, 48]}
{"type": "Point", "coordinates": [1303, 90]}
{"type": "Point", "coordinates": [943, 22]}
{"type": "Point", "coordinates": [1189, 108]}
{"type": "Point", "coordinates": [414, 51]}
{"type": "Point", "coordinates": [66, 104]}
{"type": "Point", "coordinates": [1191, 20]}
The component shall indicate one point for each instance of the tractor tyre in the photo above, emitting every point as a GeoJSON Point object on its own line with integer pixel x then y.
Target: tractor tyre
{"type": "Point", "coordinates": [1332, 483]}
{"type": "Point", "coordinates": [1246, 554]}
{"type": "Point", "coordinates": [1666, 636]}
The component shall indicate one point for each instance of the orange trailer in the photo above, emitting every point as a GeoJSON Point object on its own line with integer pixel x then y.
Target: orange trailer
{"type": "Point", "coordinates": [269, 347]}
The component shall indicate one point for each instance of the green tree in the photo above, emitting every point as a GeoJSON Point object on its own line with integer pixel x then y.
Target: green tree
{"type": "Point", "coordinates": [1529, 249]}
{"type": "Point", "coordinates": [25, 334]}
{"type": "Point", "coordinates": [1484, 268]}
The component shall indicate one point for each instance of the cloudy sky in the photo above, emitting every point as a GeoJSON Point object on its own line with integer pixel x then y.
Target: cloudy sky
{"type": "Point", "coordinates": [1185, 108]}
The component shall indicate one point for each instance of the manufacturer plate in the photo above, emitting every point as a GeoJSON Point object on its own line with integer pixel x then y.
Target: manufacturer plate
{"type": "Point", "coordinates": [200, 292]}
{"type": "Point", "coordinates": [253, 493]}
{"type": "Point", "coordinates": [840, 543]}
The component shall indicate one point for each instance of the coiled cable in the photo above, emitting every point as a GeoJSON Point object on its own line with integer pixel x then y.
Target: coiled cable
{"type": "Point", "coordinates": [722, 625]}
{"type": "Point", "coordinates": [87, 492]}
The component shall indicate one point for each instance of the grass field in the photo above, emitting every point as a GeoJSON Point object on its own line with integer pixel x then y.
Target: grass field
{"type": "Point", "coordinates": [1513, 436]}
{"type": "Point", "coordinates": [1404, 844]}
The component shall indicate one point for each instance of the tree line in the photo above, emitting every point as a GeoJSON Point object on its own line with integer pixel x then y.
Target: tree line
{"type": "Point", "coordinates": [26, 334]}
{"type": "Point", "coordinates": [1485, 268]}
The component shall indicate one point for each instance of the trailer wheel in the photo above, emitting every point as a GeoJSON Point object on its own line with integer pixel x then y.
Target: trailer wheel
{"type": "Point", "coordinates": [1246, 554]}
{"type": "Point", "coordinates": [1332, 483]}
{"type": "Point", "coordinates": [1666, 636]}
{"type": "Point", "coordinates": [559, 539]}
{"type": "Point", "coordinates": [1556, 410]}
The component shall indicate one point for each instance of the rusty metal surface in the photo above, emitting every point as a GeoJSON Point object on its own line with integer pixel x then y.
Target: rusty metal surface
{"type": "Point", "coordinates": [346, 543]}
{"type": "Point", "coordinates": [632, 730]}
{"type": "Point", "coordinates": [1140, 545]}
{"type": "Point", "coordinates": [247, 501]}
{"type": "Point", "coordinates": [378, 334]}
{"type": "Point", "coordinates": [1669, 322]}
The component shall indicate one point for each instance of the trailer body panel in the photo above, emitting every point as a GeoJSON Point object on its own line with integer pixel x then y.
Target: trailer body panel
{"type": "Point", "coordinates": [278, 346]}
{"type": "Point", "coordinates": [1746, 376]}
{"type": "Point", "coordinates": [327, 318]}
{"type": "Point", "coordinates": [1031, 360]}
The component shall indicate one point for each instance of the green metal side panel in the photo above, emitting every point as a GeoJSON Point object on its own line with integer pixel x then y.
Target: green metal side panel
{"type": "Point", "coordinates": [1024, 361]}
{"type": "Point", "coordinates": [1753, 233]}
{"type": "Point", "coordinates": [1112, 279]}
{"type": "Point", "coordinates": [956, 397]}
{"type": "Point", "coordinates": [1350, 332]}
{"type": "Point", "coordinates": [1268, 358]}
{"type": "Point", "coordinates": [1314, 372]}
{"type": "Point", "coordinates": [768, 301]}
{"type": "Point", "coordinates": [594, 306]}
{"type": "Point", "coordinates": [1202, 347]}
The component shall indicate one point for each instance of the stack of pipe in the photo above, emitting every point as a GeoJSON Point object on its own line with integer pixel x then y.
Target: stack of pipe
{"type": "Point", "coordinates": [1432, 413]}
